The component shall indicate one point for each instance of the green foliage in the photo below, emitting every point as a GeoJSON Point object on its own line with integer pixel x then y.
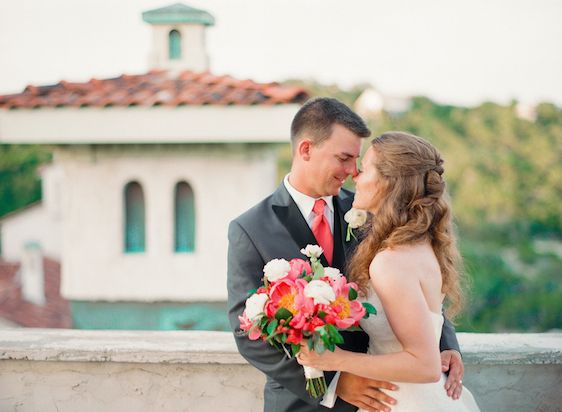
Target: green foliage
{"type": "Point", "coordinates": [331, 90]}
{"type": "Point", "coordinates": [20, 184]}
{"type": "Point", "coordinates": [508, 292]}
{"type": "Point", "coordinates": [499, 168]}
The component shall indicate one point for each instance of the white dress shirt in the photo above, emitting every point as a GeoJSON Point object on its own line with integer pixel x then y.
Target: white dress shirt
{"type": "Point", "coordinates": [305, 204]}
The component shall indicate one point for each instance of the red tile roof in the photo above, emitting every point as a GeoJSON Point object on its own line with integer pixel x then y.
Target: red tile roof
{"type": "Point", "coordinates": [54, 314]}
{"type": "Point", "coordinates": [155, 88]}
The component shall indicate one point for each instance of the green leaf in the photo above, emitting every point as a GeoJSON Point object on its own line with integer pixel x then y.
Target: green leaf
{"type": "Point", "coordinates": [352, 294]}
{"type": "Point", "coordinates": [334, 334]}
{"type": "Point", "coordinates": [271, 327]}
{"type": "Point", "coordinates": [251, 292]}
{"type": "Point", "coordinates": [321, 314]}
{"type": "Point", "coordinates": [310, 343]}
{"type": "Point", "coordinates": [283, 313]}
{"type": "Point", "coordinates": [371, 310]}
{"type": "Point", "coordinates": [325, 336]}
{"type": "Point", "coordinates": [295, 349]}
{"type": "Point", "coordinates": [319, 346]}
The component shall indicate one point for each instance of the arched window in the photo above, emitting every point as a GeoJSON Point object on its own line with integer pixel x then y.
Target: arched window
{"type": "Point", "coordinates": [184, 214]}
{"type": "Point", "coordinates": [134, 218]}
{"type": "Point", "coordinates": [174, 43]}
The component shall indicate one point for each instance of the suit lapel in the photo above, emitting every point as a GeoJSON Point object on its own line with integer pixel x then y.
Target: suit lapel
{"type": "Point", "coordinates": [292, 219]}
{"type": "Point", "coordinates": [290, 216]}
{"type": "Point", "coordinates": [342, 203]}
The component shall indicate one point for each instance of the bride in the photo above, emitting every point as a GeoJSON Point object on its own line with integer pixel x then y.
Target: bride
{"type": "Point", "coordinates": [406, 266]}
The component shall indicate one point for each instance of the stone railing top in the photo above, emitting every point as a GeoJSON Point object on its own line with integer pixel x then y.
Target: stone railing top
{"type": "Point", "coordinates": [219, 347]}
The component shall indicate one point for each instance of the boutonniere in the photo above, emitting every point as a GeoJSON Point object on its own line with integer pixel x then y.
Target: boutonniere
{"type": "Point", "coordinates": [355, 218]}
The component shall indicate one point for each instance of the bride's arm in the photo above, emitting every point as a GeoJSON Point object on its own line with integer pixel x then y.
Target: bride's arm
{"type": "Point", "coordinates": [401, 294]}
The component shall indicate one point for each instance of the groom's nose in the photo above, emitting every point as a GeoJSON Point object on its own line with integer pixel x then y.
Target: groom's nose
{"type": "Point", "coordinates": [353, 171]}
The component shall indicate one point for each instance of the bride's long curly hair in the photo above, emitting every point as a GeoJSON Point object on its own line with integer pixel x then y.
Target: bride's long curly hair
{"type": "Point", "coordinates": [415, 207]}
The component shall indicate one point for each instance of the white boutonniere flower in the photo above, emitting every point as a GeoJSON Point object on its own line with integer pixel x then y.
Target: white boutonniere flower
{"type": "Point", "coordinates": [355, 218]}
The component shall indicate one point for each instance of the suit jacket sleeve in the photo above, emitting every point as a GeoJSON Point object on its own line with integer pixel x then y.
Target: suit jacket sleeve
{"type": "Point", "coordinates": [245, 270]}
{"type": "Point", "coordinates": [448, 338]}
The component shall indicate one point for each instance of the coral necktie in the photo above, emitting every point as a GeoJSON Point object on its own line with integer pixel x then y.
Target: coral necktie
{"type": "Point", "coordinates": [321, 230]}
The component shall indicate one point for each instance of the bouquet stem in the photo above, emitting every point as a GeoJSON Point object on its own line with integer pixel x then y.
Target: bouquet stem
{"type": "Point", "coordinates": [315, 382]}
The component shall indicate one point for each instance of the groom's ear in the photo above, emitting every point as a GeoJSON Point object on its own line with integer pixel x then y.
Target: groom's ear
{"type": "Point", "coordinates": [303, 148]}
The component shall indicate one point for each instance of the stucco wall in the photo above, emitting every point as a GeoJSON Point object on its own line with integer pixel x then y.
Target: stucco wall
{"type": "Point", "coordinates": [33, 224]}
{"type": "Point", "coordinates": [193, 51]}
{"type": "Point", "coordinates": [68, 370]}
{"type": "Point", "coordinates": [226, 180]}
{"type": "Point", "coordinates": [39, 223]}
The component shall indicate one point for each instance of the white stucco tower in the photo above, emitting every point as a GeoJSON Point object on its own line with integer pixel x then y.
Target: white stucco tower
{"type": "Point", "coordinates": [178, 38]}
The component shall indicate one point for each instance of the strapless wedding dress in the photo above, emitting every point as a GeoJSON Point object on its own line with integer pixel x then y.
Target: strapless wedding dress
{"type": "Point", "coordinates": [412, 397]}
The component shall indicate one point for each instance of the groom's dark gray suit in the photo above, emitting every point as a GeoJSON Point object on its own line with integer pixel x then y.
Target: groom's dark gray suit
{"type": "Point", "coordinates": [274, 229]}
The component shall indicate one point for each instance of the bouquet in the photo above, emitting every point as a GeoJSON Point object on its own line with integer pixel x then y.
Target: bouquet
{"type": "Point", "coordinates": [303, 302]}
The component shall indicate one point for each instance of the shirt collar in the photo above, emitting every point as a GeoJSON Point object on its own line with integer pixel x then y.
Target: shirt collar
{"type": "Point", "coordinates": [304, 202]}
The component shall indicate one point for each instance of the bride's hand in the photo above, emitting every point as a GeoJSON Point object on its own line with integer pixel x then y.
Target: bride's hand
{"type": "Point", "coordinates": [327, 361]}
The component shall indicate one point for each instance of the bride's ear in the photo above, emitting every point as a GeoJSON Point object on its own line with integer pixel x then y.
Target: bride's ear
{"type": "Point", "coordinates": [304, 147]}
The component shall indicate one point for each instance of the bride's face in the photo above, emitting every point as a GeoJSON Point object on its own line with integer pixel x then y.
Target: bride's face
{"type": "Point", "coordinates": [369, 184]}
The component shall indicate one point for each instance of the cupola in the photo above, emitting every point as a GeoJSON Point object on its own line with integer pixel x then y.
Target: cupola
{"type": "Point", "coordinates": [178, 38]}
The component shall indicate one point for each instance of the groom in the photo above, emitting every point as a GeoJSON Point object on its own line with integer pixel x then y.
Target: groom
{"type": "Point", "coordinates": [326, 138]}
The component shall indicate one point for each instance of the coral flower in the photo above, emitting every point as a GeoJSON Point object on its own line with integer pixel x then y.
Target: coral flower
{"type": "Point", "coordinates": [294, 336]}
{"type": "Point", "coordinates": [342, 311]}
{"type": "Point", "coordinates": [288, 294]}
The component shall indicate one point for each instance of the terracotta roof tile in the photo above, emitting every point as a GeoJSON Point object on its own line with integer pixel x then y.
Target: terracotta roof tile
{"type": "Point", "coordinates": [54, 314]}
{"type": "Point", "coordinates": [155, 88]}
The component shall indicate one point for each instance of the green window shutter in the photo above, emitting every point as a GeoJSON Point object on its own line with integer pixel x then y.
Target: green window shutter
{"type": "Point", "coordinates": [174, 38]}
{"type": "Point", "coordinates": [184, 218]}
{"type": "Point", "coordinates": [134, 218]}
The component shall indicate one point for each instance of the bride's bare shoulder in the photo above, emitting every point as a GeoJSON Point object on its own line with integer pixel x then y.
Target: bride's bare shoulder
{"type": "Point", "coordinates": [398, 262]}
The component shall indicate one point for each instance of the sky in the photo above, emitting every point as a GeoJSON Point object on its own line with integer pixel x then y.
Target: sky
{"type": "Point", "coordinates": [454, 51]}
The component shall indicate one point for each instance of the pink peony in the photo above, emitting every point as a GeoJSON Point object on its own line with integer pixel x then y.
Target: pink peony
{"type": "Point", "coordinates": [288, 294]}
{"type": "Point", "coordinates": [343, 312]}
{"type": "Point", "coordinates": [247, 325]}
{"type": "Point", "coordinates": [297, 267]}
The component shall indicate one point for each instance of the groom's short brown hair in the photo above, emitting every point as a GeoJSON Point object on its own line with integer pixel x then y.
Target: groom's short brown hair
{"type": "Point", "coordinates": [317, 117]}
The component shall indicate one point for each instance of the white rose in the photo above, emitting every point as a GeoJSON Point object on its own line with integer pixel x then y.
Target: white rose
{"type": "Point", "coordinates": [276, 269]}
{"type": "Point", "coordinates": [320, 291]}
{"type": "Point", "coordinates": [355, 218]}
{"type": "Point", "coordinates": [312, 251]}
{"type": "Point", "coordinates": [255, 304]}
{"type": "Point", "coordinates": [332, 273]}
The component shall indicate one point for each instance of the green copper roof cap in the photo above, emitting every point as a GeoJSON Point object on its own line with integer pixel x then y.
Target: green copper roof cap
{"type": "Point", "coordinates": [178, 13]}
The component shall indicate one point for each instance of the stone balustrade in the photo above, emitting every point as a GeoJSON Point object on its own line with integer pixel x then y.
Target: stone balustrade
{"type": "Point", "coordinates": [76, 370]}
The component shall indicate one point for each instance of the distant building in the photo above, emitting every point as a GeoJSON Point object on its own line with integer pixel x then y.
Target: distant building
{"type": "Point", "coordinates": [526, 111]}
{"type": "Point", "coordinates": [371, 103]}
{"type": "Point", "coordinates": [148, 170]}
